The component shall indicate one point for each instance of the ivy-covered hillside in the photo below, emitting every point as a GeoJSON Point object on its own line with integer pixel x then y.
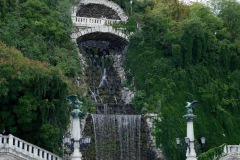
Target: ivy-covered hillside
{"type": "Point", "coordinates": [184, 53]}
{"type": "Point", "coordinates": [32, 99]}
{"type": "Point", "coordinates": [179, 53]}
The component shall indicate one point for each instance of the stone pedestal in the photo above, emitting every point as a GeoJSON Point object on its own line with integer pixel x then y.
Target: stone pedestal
{"type": "Point", "coordinates": [190, 152]}
{"type": "Point", "coordinates": [76, 135]}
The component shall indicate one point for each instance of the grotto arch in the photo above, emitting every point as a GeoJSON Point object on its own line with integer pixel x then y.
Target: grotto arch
{"type": "Point", "coordinates": [114, 40]}
{"type": "Point", "coordinates": [91, 4]}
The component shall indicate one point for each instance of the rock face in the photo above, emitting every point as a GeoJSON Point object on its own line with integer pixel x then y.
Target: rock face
{"type": "Point", "coordinates": [97, 11]}
{"type": "Point", "coordinates": [151, 119]}
{"type": "Point", "coordinates": [104, 75]}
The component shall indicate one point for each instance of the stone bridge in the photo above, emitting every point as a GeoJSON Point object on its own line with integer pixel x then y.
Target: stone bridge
{"type": "Point", "coordinates": [92, 19]}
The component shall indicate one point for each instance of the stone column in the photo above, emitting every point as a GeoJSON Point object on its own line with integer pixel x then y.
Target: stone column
{"type": "Point", "coordinates": [76, 135]}
{"type": "Point", "coordinates": [190, 152]}
{"type": "Point", "coordinates": [10, 141]}
{"type": "Point", "coordinates": [75, 130]}
{"type": "Point", "coordinates": [1, 136]}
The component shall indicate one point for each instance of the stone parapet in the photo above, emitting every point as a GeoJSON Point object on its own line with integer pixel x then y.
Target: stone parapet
{"type": "Point", "coordinates": [13, 148]}
{"type": "Point", "coordinates": [231, 152]}
{"type": "Point", "coordinates": [92, 22]}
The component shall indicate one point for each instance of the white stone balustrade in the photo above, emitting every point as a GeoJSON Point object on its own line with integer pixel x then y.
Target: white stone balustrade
{"type": "Point", "coordinates": [231, 152]}
{"type": "Point", "coordinates": [10, 145]}
{"type": "Point", "coordinates": [90, 22]}
{"type": "Point", "coordinates": [232, 149]}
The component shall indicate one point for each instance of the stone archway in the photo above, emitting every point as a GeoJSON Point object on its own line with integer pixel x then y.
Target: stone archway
{"type": "Point", "coordinates": [103, 29]}
{"type": "Point", "coordinates": [106, 3]}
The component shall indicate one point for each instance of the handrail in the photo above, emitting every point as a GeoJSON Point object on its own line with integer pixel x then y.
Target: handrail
{"type": "Point", "coordinates": [93, 21]}
{"type": "Point", "coordinates": [232, 149]}
{"type": "Point", "coordinates": [14, 145]}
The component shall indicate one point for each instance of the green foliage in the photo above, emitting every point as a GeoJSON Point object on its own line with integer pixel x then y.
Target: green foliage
{"type": "Point", "coordinates": [130, 26]}
{"type": "Point", "coordinates": [32, 94]}
{"type": "Point", "coordinates": [3, 6]}
{"type": "Point", "coordinates": [192, 41]}
{"type": "Point", "coordinates": [177, 55]}
{"type": "Point", "coordinates": [229, 12]}
{"type": "Point", "coordinates": [213, 153]}
{"type": "Point", "coordinates": [41, 31]}
{"type": "Point", "coordinates": [32, 99]}
{"type": "Point", "coordinates": [185, 53]}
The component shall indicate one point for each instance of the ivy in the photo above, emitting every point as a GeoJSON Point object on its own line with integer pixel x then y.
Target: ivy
{"type": "Point", "coordinates": [212, 154]}
{"type": "Point", "coordinates": [32, 98]}
{"type": "Point", "coordinates": [183, 53]}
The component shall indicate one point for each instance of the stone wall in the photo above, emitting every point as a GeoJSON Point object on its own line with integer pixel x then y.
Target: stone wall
{"type": "Point", "coordinates": [151, 119]}
{"type": "Point", "coordinates": [231, 152]}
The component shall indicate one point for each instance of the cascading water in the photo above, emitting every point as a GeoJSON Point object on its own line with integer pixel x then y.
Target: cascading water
{"type": "Point", "coordinates": [105, 76]}
{"type": "Point", "coordinates": [117, 137]}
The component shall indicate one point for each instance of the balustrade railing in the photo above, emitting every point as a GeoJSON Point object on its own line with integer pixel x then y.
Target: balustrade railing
{"type": "Point", "coordinates": [84, 21]}
{"type": "Point", "coordinates": [232, 149]}
{"type": "Point", "coordinates": [21, 148]}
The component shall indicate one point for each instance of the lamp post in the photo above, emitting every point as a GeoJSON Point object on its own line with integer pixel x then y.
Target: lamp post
{"type": "Point", "coordinates": [189, 140]}
{"type": "Point", "coordinates": [190, 153]}
{"type": "Point", "coordinates": [76, 138]}
{"type": "Point", "coordinates": [66, 146]}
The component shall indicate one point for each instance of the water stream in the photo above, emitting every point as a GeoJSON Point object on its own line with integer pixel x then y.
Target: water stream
{"type": "Point", "coordinates": [105, 75]}
{"type": "Point", "coordinates": [117, 134]}
{"type": "Point", "coordinates": [117, 137]}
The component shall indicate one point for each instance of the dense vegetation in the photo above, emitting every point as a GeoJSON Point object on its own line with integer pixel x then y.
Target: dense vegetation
{"type": "Point", "coordinates": [38, 64]}
{"type": "Point", "coordinates": [184, 53]}
{"type": "Point", "coordinates": [32, 99]}
{"type": "Point", "coordinates": [180, 54]}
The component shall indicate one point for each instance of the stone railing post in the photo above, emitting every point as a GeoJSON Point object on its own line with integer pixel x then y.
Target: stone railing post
{"type": "Point", "coordinates": [1, 137]}
{"type": "Point", "coordinates": [225, 149]}
{"type": "Point", "coordinates": [10, 141]}
{"type": "Point", "coordinates": [228, 149]}
{"type": "Point", "coordinates": [22, 148]}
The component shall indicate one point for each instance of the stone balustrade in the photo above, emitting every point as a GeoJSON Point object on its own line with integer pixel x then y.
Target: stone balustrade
{"type": "Point", "coordinates": [231, 152]}
{"type": "Point", "coordinates": [84, 21]}
{"type": "Point", "coordinates": [232, 149]}
{"type": "Point", "coordinates": [20, 149]}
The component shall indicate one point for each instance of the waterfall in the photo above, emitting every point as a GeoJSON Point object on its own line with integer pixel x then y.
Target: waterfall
{"type": "Point", "coordinates": [117, 137]}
